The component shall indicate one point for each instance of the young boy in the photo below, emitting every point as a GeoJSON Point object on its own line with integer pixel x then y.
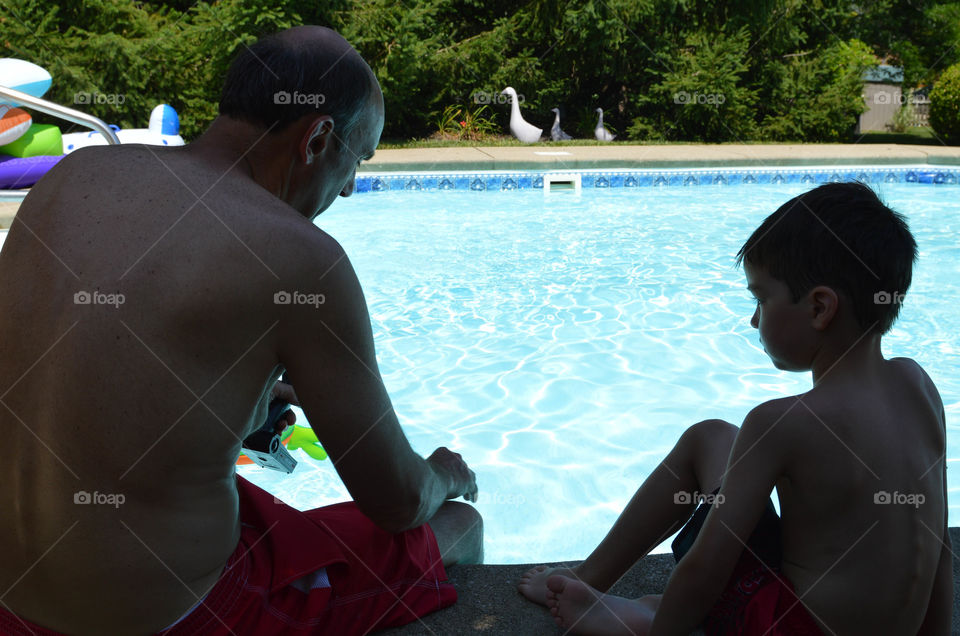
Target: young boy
{"type": "Point", "coordinates": [858, 461]}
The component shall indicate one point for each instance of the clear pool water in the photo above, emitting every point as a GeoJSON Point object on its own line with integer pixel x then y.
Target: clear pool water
{"type": "Point", "coordinates": [562, 343]}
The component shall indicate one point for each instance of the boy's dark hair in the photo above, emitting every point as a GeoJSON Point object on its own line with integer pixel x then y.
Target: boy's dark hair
{"type": "Point", "coordinates": [840, 235]}
{"type": "Point", "coordinates": [275, 82]}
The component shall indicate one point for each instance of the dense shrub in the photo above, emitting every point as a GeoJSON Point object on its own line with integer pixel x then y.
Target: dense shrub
{"type": "Point", "coordinates": [703, 96]}
{"type": "Point", "coordinates": [818, 97]}
{"type": "Point", "coordinates": [117, 59]}
{"type": "Point", "coordinates": [696, 70]}
{"type": "Point", "coordinates": [945, 105]}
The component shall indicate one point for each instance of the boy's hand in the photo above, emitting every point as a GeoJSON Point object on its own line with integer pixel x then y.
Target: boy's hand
{"type": "Point", "coordinates": [463, 481]}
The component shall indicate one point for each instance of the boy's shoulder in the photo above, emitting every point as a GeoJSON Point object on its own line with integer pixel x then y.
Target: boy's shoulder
{"type": "Point", "coordinates": [911, 368]}
{"type": "Point", "coordinates": [777, 429]}
{"type": "Point", "coordinates": [914, 373]}
{"type": "Point", "coordinates": [793, 420]}
{"type": "Point", "coordinates": [779, 414]}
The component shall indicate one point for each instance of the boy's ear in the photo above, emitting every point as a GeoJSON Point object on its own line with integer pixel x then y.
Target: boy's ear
{"type": "Point", "coordinates": [824, 304]}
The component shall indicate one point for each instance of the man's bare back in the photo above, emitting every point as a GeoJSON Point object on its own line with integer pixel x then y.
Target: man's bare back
{"type": "Point", "coordinates": [138, 399]}
{"type": "Point", "coordinates": [138, 289]}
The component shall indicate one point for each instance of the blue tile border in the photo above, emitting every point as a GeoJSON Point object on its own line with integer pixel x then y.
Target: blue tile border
{"type": "Point", "coordinates": [496, 181]}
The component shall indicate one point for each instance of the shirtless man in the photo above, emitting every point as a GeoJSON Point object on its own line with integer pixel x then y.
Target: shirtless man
{"type": "Point", "coordinates": [858, 462]}
{"type": "Point", "coordinates": [142, 342]}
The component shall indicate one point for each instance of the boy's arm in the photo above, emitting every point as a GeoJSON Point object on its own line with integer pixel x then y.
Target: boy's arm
{"type": "Point", "coordinates": [756, 461]}
{"type": "Point", "coordinates": [940, 609]}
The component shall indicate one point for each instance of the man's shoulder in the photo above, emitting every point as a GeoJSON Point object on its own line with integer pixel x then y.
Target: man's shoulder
{"type": "Point", "coordinates": [306, 253]}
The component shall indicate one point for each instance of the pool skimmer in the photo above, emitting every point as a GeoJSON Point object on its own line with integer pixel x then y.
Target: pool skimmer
{"type": "Point", "coordinates": [561, 182]}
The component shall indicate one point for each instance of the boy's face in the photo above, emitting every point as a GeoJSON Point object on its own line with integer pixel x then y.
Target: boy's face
{"type": "Point", "coordinates": [784, 325]}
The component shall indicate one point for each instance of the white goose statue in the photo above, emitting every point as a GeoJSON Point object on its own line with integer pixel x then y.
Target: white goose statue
{"type": "Point", "coordinates": [526, 133]}
{"type": "Point", "coordinates": [601, 133]}
{"type": "Point", "coordinates": [556, 133]}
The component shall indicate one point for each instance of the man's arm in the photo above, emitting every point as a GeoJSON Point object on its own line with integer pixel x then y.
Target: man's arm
{"type": "Point", "coordinates": [940, 609]}
{"type": "Point", "coordinates": [700, 576]}
{"type": "Point", "coordinates": [328, 349]}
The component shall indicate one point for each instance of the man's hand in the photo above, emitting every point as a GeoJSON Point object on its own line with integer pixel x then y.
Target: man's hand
{"type": "Point", "coordinates": [285, 392]}
{"type": "Point", "coordinates": [463, 481]}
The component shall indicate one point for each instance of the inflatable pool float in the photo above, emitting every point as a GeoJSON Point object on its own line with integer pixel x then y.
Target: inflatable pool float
{"type": "Point", "coordinates": [23, 172]}
{"type": "Point", "coordinates": [40, 139]}
{"type": "Point", "coordinates": [164, 130]}
{"type": "Point", "coordinates": [23, 76]}
{"type": "Point", "coordinates": [295, 437]}
{"type": "Point", "coordinates": [13, 123]}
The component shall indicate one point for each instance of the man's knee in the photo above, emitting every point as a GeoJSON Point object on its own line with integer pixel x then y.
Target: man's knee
{"type": "Point", "coordinates": [458, 528]}
{"type": "Point", "coordinates": [471, 528]}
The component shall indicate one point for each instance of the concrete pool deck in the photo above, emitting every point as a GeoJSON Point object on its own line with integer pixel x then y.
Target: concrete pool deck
{"type": "Point", "coordinates": [8, 209]}
{"type": "Point", "coordinates": [541, 157]}
{"type": "Point", "coordinates": [490, 605]}
{"type": "Point", "coordinates": [546, 156]}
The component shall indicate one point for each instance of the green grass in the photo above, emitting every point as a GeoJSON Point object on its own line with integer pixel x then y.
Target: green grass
{"type": "Point", "coordinates": [394, 144]}
{"type": "Point", "coordinates": [919, 136]}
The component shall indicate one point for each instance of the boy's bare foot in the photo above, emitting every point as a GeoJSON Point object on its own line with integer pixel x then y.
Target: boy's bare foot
{"type": "Point", "coordinates": [580, 609]}
{"type": "Point", "coordinates": [533, 582]}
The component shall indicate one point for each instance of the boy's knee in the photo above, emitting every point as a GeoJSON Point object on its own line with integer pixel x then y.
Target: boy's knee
{"type": "Point", "coordinates": [708, 432]}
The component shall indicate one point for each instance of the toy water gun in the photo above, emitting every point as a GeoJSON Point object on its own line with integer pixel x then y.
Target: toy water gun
{"type": "Point", "coordinates": [265, 447]}
{"type": "Point", "coordinates": [294, 437]}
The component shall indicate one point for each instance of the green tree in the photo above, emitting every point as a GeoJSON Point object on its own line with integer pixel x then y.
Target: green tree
{"type": "Point", "coordinates": [818, 96]}
{"type": "Point", "coordinates": [702, 97]}
{"type": "Point", "coordinates": [945, 105]}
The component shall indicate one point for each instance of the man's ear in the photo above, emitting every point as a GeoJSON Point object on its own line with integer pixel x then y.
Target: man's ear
{"type": "Point", "coordinates": [315, 138]}
{"type": "Point", "coordinates": [824, 304]}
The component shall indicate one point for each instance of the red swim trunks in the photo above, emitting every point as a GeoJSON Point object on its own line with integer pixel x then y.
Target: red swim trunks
{"type": "Point", "coordinates": [758, 601]}
{"type": "Point", "coordinates": [323, 571]}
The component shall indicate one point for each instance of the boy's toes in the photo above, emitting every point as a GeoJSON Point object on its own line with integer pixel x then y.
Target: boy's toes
{"type": "Point", "coordinates": [555, 585]}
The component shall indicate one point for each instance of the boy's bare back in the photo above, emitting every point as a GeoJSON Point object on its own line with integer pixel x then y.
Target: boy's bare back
{"type": "Point", "coordinates": [862, 495]}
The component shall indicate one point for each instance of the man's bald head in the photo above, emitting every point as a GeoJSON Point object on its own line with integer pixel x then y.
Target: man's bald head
{"type": "Point", "coordinates": [301, 71]}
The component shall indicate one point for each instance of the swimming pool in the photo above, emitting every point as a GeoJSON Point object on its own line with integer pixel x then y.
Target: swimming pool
{"type": "Point", "coordinates": [562, 343]}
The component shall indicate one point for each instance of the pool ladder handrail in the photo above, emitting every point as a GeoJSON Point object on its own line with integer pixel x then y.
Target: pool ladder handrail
{"type": "Point", "coordinates": [19, 98]}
